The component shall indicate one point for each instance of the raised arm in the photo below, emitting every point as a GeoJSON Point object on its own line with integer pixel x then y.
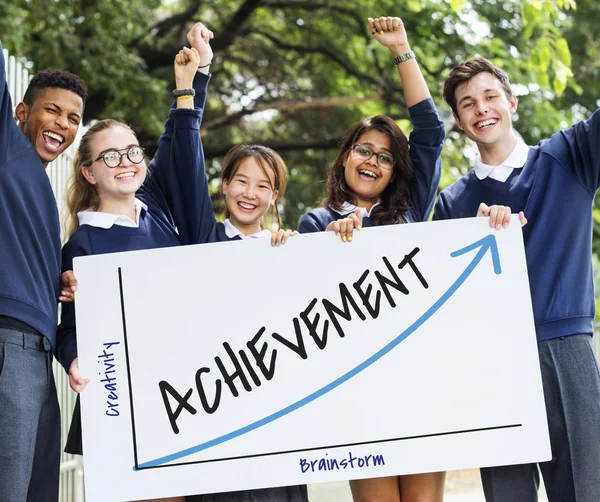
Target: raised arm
{"type": "Point", "coordinates": [193, 207]}
{"type": "Point", "coordinates": [390, 32]}
{"type": "Point", "coordinates": [578, 150]}
{"type": "Point", "coordinates": [427, 138]}
{"type": "Point", "coordinates": [10, 136]}
{"type": "Point", "coordinates": [178, 173]}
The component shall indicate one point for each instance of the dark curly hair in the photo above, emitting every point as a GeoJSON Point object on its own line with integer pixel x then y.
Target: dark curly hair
{"type": "Point", "coordinates": [54, 79]}
{"type": "Point", "coordinates": [395, 199]}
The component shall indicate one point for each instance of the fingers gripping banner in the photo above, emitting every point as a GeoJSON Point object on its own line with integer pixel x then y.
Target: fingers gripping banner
{"type": "Point", "coordinates": [238, 365]}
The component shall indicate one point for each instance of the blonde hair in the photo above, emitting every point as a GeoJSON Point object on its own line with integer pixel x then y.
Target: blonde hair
{"type": "Point", "coordinates": [81, 194]}
{"type": "Point", "coordinates": [266, 158]}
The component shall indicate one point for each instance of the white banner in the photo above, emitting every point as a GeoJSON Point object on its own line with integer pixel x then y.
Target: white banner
{"type": "Point", "coordinates": [236, 365]}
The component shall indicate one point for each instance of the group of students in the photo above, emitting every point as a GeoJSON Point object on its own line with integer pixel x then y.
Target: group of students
{"type": "Point", "coordinates": [118, 203]}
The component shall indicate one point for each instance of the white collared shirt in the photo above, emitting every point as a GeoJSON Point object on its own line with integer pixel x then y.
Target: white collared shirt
{"type": "Point", "coordinates": [515, 160]}
{"type": "Point", "coordinates": [232, 231]}
{"type": "Point", "coordinates": [107, 220]}
{"type": "Point", "coordinates": [351, 208]}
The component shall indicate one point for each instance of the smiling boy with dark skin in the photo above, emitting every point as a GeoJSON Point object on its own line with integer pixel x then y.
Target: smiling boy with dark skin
{"type": "Point", "coordinates": [48, 119]}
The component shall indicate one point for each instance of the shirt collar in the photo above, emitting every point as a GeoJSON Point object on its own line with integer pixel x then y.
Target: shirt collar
{"type": "Point", "coordinates": [515, 160]}
{"type": "Point", "coordinates": [107, 220]}
{"type": "Point", "coordinates": [348, 208]}
{"type": "Point", "coordinates": [232, 232]}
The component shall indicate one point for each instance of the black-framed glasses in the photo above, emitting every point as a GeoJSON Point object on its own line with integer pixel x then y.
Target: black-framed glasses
{"type": "Point", "coordinates": [113, 158]}
{"type": "Point", "coordinates": [364, 152]}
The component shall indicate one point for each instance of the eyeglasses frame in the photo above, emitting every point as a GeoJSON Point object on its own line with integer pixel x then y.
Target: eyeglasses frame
{"type": "Point", "coordinates": [374, 153]}
{"type": "Point", "coordinates": [121, 155]}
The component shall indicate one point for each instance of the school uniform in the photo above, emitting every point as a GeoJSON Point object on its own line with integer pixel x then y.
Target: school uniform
{"type": "Point", "coordinates": [215, 231]}
{"type": "Point", "coordinates": [29, 288]}
{"type": "Point", "coordinates": [425, 148]}
{"type": "Point", "coordinates": [166, 212]}
{"type": "Point", "coordinates": [225, 231]}
{"type": "Point", "coordinates": [554, 183]}
{"type": "Point", "coordinates": [186, 195]}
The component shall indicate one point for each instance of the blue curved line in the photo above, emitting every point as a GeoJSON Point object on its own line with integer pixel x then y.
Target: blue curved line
{"type": "Point", "coordinates": [488, 242]}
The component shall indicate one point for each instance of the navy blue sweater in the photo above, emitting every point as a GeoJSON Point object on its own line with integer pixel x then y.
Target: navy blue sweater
{"type": "Point", "coordinates": [29, 228]}
{"type": "Point", "coordinates": [173, 211]}
{"type": "Point", "coordinates": [556, 190]}
{"type": "Point", "coordinates": [425, 147]}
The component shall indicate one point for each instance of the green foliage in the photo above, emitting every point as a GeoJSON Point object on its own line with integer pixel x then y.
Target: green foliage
{"type": "Point", "coordinates": [296, 74]}
{"type": "Point", "coordinates": [93, 40]}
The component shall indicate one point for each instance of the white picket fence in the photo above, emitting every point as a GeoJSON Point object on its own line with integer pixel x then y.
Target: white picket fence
{"type": "Point", "coordinates": [71, 467]}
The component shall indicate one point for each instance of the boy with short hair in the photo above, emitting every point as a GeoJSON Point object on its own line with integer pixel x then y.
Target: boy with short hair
{"type": "Point", "coordinates": [48, 119]}
{"type": "Point", "coordinates": [554, 183]}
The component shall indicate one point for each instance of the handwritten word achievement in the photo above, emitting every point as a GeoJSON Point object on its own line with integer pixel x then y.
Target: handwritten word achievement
{"type": "Point", "coordinates": [237, 365]}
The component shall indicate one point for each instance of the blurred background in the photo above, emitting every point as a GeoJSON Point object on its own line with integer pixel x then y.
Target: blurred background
{"type": "Point", "coordinates": [294, 74]}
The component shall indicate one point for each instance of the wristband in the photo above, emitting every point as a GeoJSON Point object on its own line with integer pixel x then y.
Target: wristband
{"type": "Point", "coordinates": [403, 57]}
{"type": "Point", "coordinates": [185, 96]}
{"type": "Point", "coordinates": [184, 92]}
{"type": "Point", "coordinates": [206, 65]}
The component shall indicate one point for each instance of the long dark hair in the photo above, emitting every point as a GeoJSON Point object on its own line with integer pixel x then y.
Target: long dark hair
{"type": "Point", "coordinates": [395, 199]}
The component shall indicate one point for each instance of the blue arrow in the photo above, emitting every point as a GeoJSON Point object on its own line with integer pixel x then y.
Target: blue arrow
{"type": "Point", "coordinates": [488, 242]}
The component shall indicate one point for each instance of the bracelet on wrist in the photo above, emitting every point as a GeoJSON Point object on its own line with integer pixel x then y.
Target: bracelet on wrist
{"type": "Point", "coordinates": [404, 57]}
{"type": "Point", "coordinates": [206, 65]}
{"type": "Point", "coordinates": [185, 96]}
{"type": "Point", "coordinates": [184, 92]}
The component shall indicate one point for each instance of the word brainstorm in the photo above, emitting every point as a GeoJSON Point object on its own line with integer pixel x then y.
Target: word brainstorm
{"type": "Point", "coordinates": [264, 356]}
{"type": "Point", "coordinates": [328, 463]}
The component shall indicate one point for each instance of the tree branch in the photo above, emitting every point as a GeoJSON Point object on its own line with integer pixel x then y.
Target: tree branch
{"type": "Point", "coordinates": [312, 6]}
{"type": "Point", "coordinates": [320, 50]}
{"type": "Point", "coordinates": [314, 144]}
{"type": "Point", "coordinates": [160, 58]}
{"type": "Point", "coordinates": [314, 104]}
{"type": "Point", "coordinates": [232, 28]}
{"type": "Point", "coordinates": [161, 28]}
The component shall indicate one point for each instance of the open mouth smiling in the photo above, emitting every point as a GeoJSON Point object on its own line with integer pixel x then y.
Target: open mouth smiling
{"type": "Point", "coordinates": [366, 173]}
{"type": "Point", "coordinates": [486, 123]}
{"type": "Point", "coordinates": [53, 139]}
{"type": "Point", "coordinates": [247, 206]}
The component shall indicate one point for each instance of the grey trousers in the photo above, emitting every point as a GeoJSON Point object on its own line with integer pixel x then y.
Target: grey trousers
{"type": "Point", "coordinates": [29, 419]}
{"type": "Point", "coordinates": [571, 381]}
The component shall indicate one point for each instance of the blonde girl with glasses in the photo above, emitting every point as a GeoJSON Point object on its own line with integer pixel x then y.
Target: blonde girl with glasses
{"type": "Point", "coordinates": [118, 203]}
{"type": "Point", "coordinates": [381, 178]}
